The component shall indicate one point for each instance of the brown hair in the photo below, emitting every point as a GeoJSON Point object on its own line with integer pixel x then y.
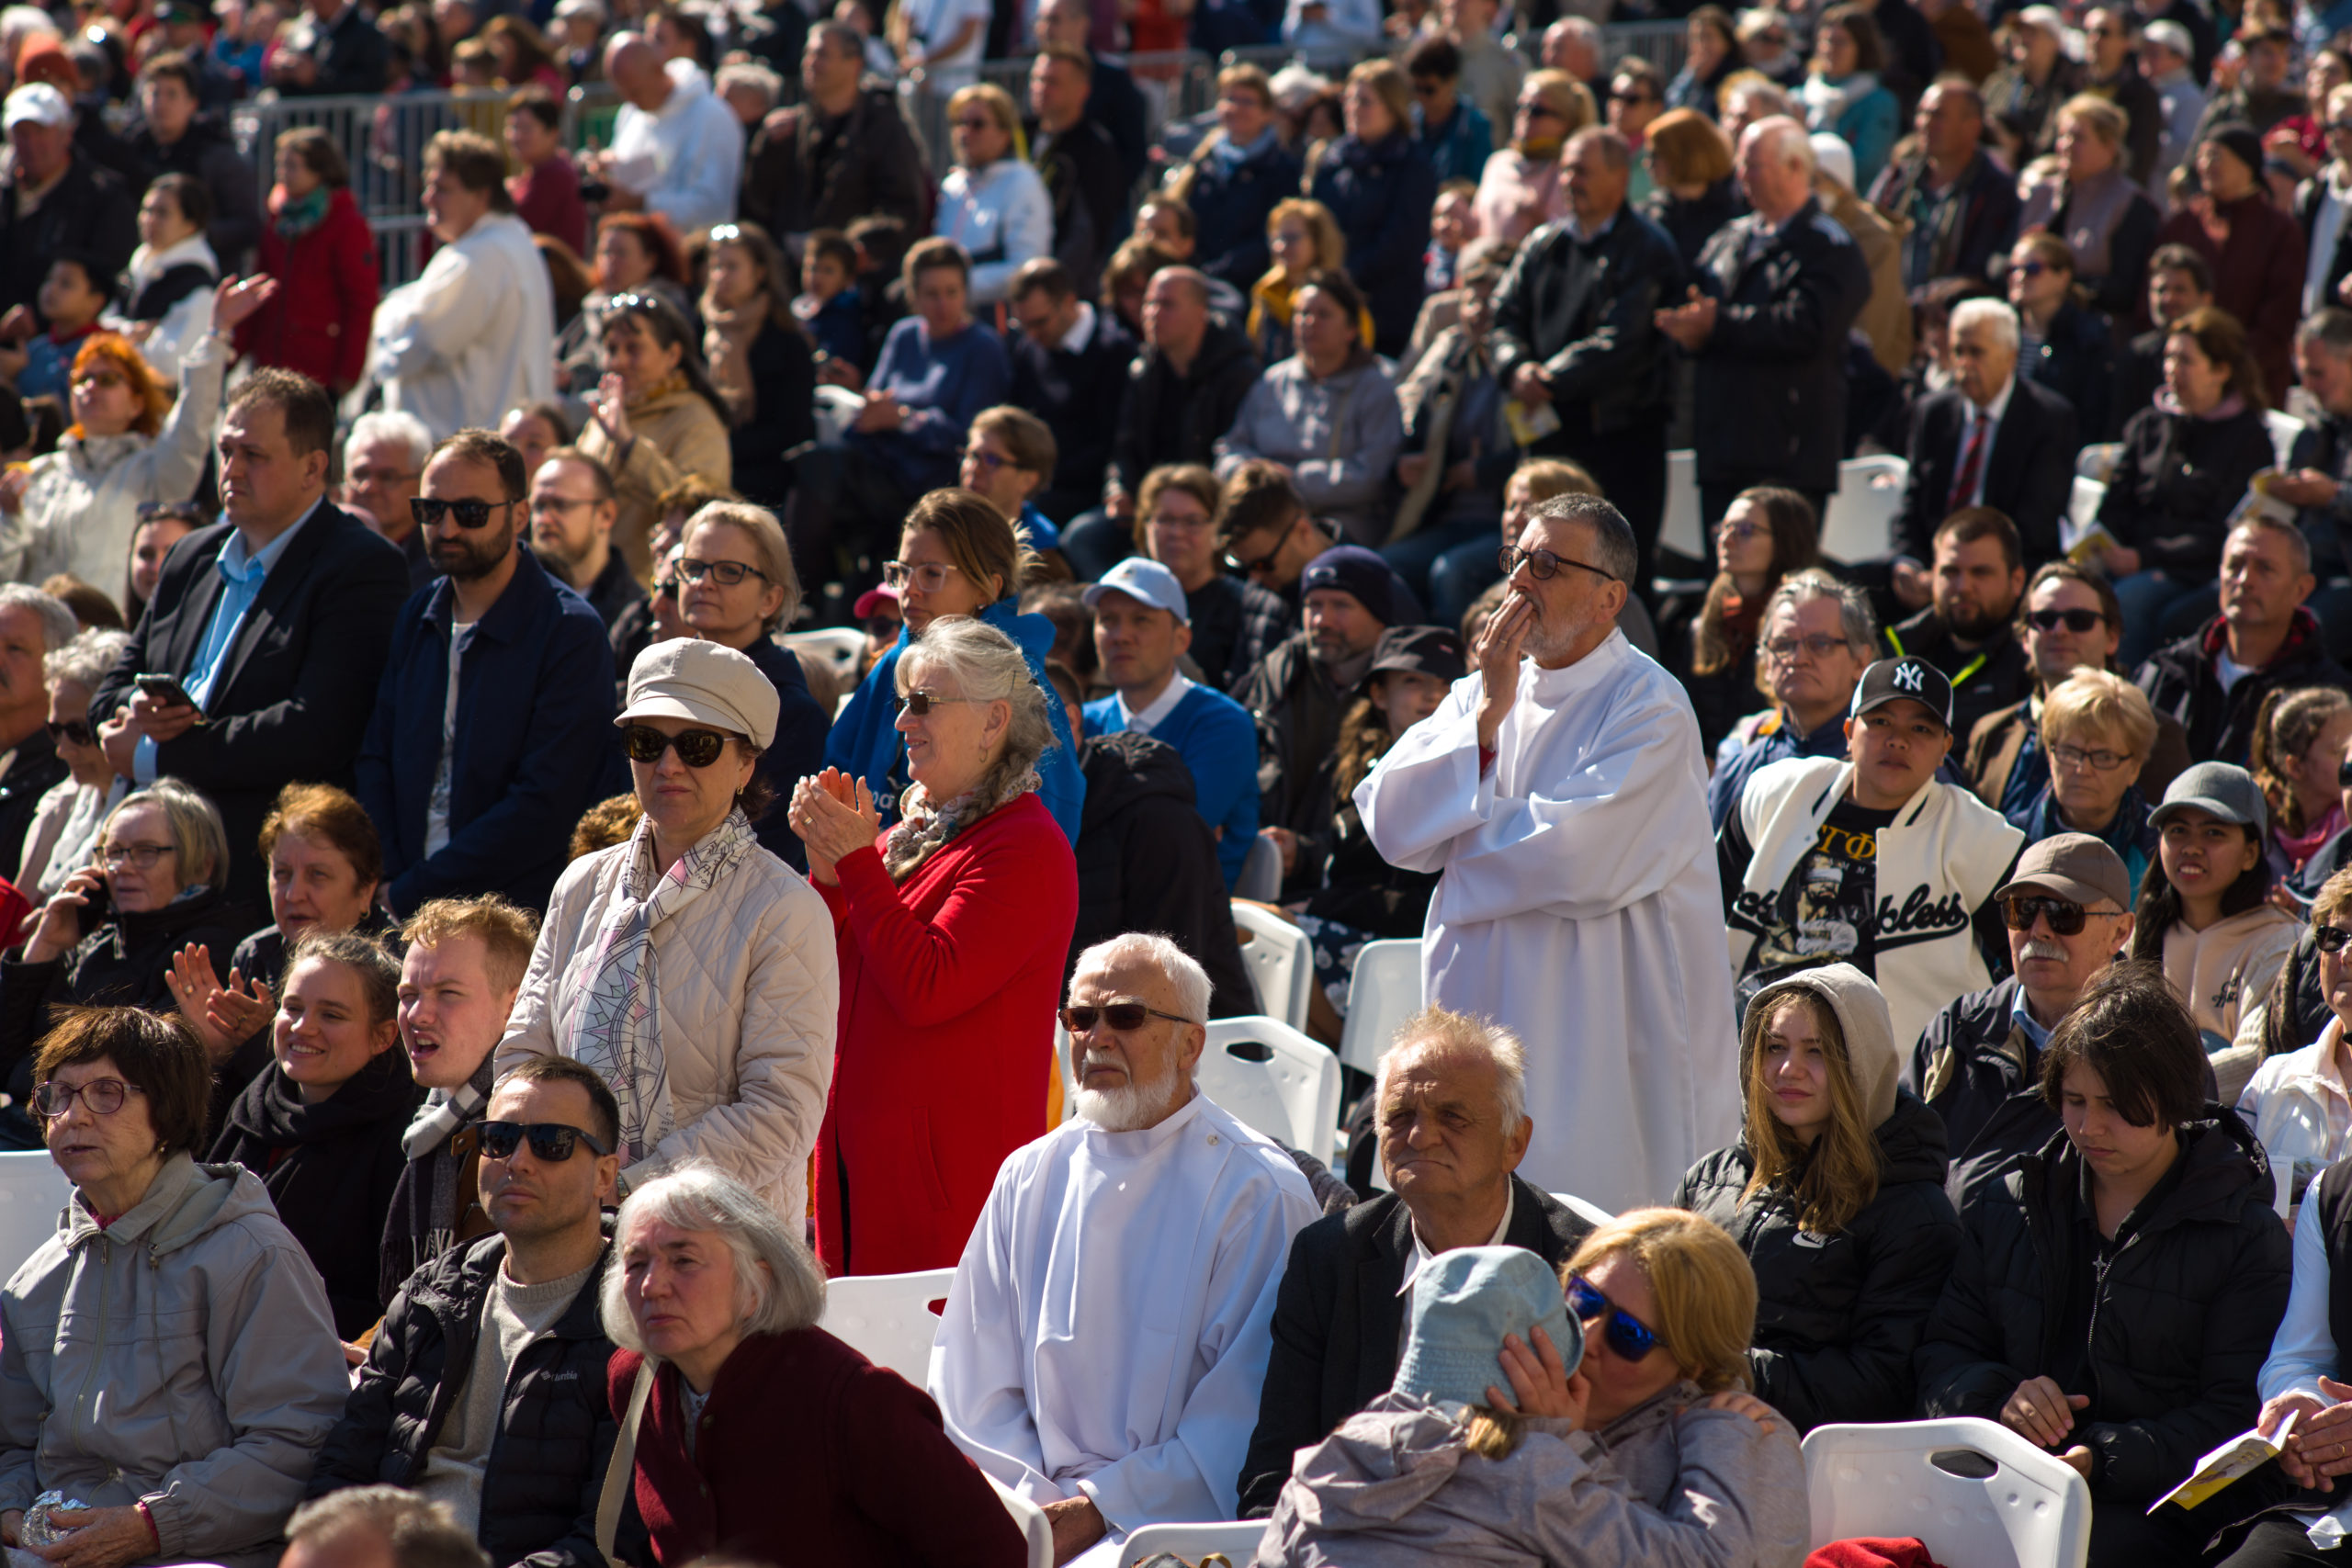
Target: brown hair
{"type": "Point", "coordinates": [158, 1056]}
{"type": "Point", "coordinates": [1796, 545]}
{"type": "Point", "coordinates": [599, 474]}
{"type": "Point", "coordinates": [1837, 1178]}
{"type": "Point", "coordinates": [380, 977]}
{"type": "Point", "coordinates": [541, 1068]}
{"type": "Point", "coordinates": [478, 163]}
{"type": "Point", "coordinates": [2135, 1033]}
{"type": "Point", "coordinates": [977, 537]}
{"type": "Point", "coordinates": [1689, 148]}
{"type": "Point", "coordinates": [506, 933]}
{"type": "Point", "coordinates": [93, 610]}
{"type": "Point", "coordinates": [491, 449]}
{"type": "Point", "coordinates": [322, 811]}
{"type": "Point", "coordinates": [1258, 495]}
{"type": "Point", "coordinates": [609, 822]}
{"type": "Point", "coordinates": [2063, 571]}
{"type": "Point", "coordinates": [2286, 726]}
{"type": "Point", "coordinates": [654, 237]}
{"type": "Point", "coordinates": [1390, 85]}
{"type": "Point", "coordinates": [758, 524]}
{"type": "Point", "coordinates": [302, 402]}
{"type": "Point", "coordinates": [1027, 438]}
{"type": "Point", "coordinates": [1330, 240]}
{"type": "Point", "coordinates": [319, 154]}
{"type": "Point", "coordinates": [2220, 338]}
{"type": "Point", "coordinates": [1971, 523]}
{"type": "Point", "coordinates": [934, 254]}
{"type": "Point", "coordinates": [1191, 477]}
{"type": "Point", "coordinates": [1870, 49]}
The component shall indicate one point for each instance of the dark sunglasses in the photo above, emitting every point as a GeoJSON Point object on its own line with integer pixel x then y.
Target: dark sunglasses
{"type": "Point", "coordinates": [920, 703]}
{"type": "Point", "coordinates": [2343, 773]}
{"type": "Point", "coordinates": [2032, 268]}
{"type": "Point", "coordinates": [2066, 917]}
{"type": "Point", "coordinates": [2076, 621]}
{"type": "Point", "coordinates": [1252, 568]}
{"type": "Point", "coordinates": [2330, 939]}
{"type": "Point", "coordinates": [696, 748]}
{"type": "Point", "coordinates": [469, 513]}
{"type": "Point", "coordinates": [1629, 1337]}
{"type": "Point", "coordinates": [74, 729]}
{"type": "Point", "coordinates": [550, 1141]}
{"type": "Point", "coordinates": [1123, 1017]}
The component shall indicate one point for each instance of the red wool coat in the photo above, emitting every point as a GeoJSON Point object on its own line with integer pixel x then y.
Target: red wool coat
{"type": "Point", "coordinates": [807, 1453]}
{"type": "Point", "coordinates": [945, 1045]}
{"type": "Point", "coordinates": [326, 297]}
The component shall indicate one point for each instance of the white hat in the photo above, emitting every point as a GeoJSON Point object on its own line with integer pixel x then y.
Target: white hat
{"type": "Point", "coordinates": [566, 9]}
{"type": "Point", "coordinates": [701, 683]}
{"type": "Point", "coordinates": [2172, 36]}
{"type": "Point", "coordinates": [1833, 157]}
{"type": "Point", "coordinates": [1147, 583]}
{"type": "Point", "coordinates": [2047, 17]}
{"type": "Point", "coordinates": [39, 103]}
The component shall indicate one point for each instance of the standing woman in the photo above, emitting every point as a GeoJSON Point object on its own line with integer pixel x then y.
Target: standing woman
{"type": "Point", "coordinates": [1520, 189]}
{"type": "Point", "coordinates": [1844, 96]}
{"type": "Point", "coordinates": [2299, 740]}
{"type": "Point", "coordinates": [1767, 533]}
{"type": "Point", "coordinates": [319, 249]}
{"type": "Point", "coordinates": [1711, 53]}
{"type": "Point", "coordinates": [657, 419]}
{"type": "Point", "coordinates": [993, 203]}
{"type": "Point", "coordinates": [759, 359]}
{"type": "Point", "coordinates": [636, 253]}
{"type": "Point", "coordinates": [1836, 1192]}
{"type": "Point", "coordinates": [954, 928]}
{"type": "Point", "coordinates": [2105, 220]}
{"type": "Point", "coordinates": [2061, 343]}
{"type": "Point", "coordinates": [1381, 185]}
{"type": "Point", "coordinates": [1692, 191]}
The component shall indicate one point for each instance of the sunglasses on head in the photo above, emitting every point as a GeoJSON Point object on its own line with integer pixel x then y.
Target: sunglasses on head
{"type": "Point", "coordinates": [550, 1141]}
{"type": "Point", "coordinates": [2076, 621]}
{"type": "Point", "coordinates": [696, 748]}
{"type": "Point", "coordinates": [1629, 1337]}
{"type": "Point", "coordinates": [74, 729]}
{"type": "Point", "coordinates": [469, 513]}
{"type": "Point", "coordinates": [2331, 939]}
{"type": "Point", "coordinates": [2066, 917]}
{"type": "Point", "coordinates": [1123, 1017]}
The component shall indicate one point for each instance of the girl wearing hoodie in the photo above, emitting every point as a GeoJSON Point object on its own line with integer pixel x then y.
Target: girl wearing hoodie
{"type": "Point", "coordinates": [1836, 1192]}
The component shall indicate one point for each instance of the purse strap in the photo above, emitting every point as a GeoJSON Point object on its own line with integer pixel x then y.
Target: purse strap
{"type": "Point", "coordinates": [623, 1463]}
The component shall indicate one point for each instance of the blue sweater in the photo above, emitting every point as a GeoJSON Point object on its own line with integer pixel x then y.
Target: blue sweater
{"type": "Point", "coordinates": [865, 742]}
{"type": "Point", "coordinates": [944, 385]}
{"type": "Point", "coordinates": [1218, 741]}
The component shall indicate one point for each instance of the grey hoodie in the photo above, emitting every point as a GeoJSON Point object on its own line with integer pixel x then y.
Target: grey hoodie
{"type": "Point", "coordinates": [183, 1356]}
{"type": "Point", "coordinates": [1862, 1019]}
{"type": "Point", "coordinates": [1668, 1485]}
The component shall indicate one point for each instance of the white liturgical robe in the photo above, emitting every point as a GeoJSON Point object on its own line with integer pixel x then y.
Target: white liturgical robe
{"type": "Point", "coordinates": [1108, 1328]}
{"type": "Point", "coordinates": [1580, 908]}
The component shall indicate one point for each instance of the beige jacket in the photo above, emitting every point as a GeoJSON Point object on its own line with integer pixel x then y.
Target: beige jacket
{"type": "Point", "coordinates": [1886, 315]}
{"type": "Point", "coordinates": [675, 434]}
{"type": "Point", "coordinates": [748, 992]}
{"type": "Point", "coordinates": [2225, 970]}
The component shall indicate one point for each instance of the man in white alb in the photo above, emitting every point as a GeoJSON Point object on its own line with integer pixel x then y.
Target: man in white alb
{"type": "Point", "coordinates": [1563, 798]}
{"type": "Point", "coordinates": [1106, 1335]}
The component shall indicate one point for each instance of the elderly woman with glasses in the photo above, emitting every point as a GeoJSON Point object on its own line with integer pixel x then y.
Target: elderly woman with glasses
{"type": "Point", "coordinates": [64, 830]}
{"type": "Point", "coordinates": [2097, 731]}
{"type": "Point", "coordinates": [685, 964]}
{"type": "Point", "coordinates": [186, 1430]}
{"type": "Point", "coordinates": [954, 930]}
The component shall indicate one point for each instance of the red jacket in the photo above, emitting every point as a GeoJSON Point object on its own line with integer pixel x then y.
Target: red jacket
{"type": "Point", "coordinates": [318, 322]}
{"type": "Point", "coordinates": [945, 1046]}
{"type": "Point", "coordinates": [809, 1453]}
{"type": "Point", "coordinates": [547, 197]}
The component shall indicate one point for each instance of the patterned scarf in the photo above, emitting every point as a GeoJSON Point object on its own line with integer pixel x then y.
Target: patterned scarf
{"type": "Point", "coordinates": [618, 1028]}
{"type": "Point", "coordinates": [294, 216]}
{"type": "Point", "coordinates": [923, 830]}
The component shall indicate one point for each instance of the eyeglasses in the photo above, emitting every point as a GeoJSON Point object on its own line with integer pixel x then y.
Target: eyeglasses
{"type": "Point", "coordinates": [1539, 111]}
{"type": "Point", "coordinates": [920, 702]}
{"type": "Point", "coordinates": [142, 856]}
{"type": "Point", "coordinates": [2030, 269]}
{"type": "Point", "coordinates": [927, 577]}
{"type": "Point", "coordinates": [107, 377]}
{"type": "Point", "coordinates": [1177, 519]}
{"type": "Point", "coordinates": [469, 513]}
{"type": "Point", "coordinates": [725, 234]}
{"type": "Point", "coordinates": [726, 573]}
{"type": "Point", "coordinates": [557, 503]}
{"type": "Point", "coordinates": [369, 476]}
{"type": "Point", "coordinates": [2330, 939]}
{"type": "Point", "coordinates": [1819, 645]}
{"type": "Point", "coordinates": [695, 748]}
{"type": "Point", "coordinates": [1264, 563]}
{"type": "Point", "coordinates": [2066, 917]}
{"type": "Point", "coordinates": [1628, 1336]}
{"type": "Point", "coordinates": [1739, 532]}
{"type": "Point", "coordinates": [100, 1096]}
{"type": "Point", "coordinates": [992, 461]}
{"type": "Point", "coordinates": [77, 731]}
{"type": "Point", "coordinates": [2075, 621]}
{"type": "Point", "coordinates": [2101, 760]}
{"type": "Point", "coordinates": [1123, 1017]}
{"type": "Point", "coordinates": [550, 1141]}
{"type": "Point", "coordinates": [1619, 96]}
{"type": "Point", "coordinates": [973, 123]}
{"type": "Point", "coordinates": [1542, 565]}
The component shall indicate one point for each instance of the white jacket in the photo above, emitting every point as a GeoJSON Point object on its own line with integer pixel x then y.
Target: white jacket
{"type": "Point", "coordinates": [181, 325]}
{"type": "Point", "coordinates": [1002, 217]}
{"type": "Point", "coordinates": [474, 336]}
{"type": "Point", "coordinates": [64, 835]}
{"type": "Point", "coordinates": [2301, 1109]}
{"type": "Point", "coordinates": [686, 157]}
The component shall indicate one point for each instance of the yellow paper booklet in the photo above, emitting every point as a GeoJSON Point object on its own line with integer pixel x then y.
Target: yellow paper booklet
{"type": "Point", "coordinates": [2238, 1458]}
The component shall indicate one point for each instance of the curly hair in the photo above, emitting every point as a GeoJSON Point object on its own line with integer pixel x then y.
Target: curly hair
{"type": "Point", "coordinates": [114, 349]}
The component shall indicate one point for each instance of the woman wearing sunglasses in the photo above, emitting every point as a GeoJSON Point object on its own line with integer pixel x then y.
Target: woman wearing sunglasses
{"type": "Point", "coordinates": [954, 930]}
{"type": "Point", "coordinates": [1836, 1192]}
{"type": "Point", "coordinates": [64, 828]}
{"type": "Point", "coordinates": [656, 418]}
{"type": "Point", "coordinates": [2098, 732]}
{"type": "Point", "coordinates": [688, 964]}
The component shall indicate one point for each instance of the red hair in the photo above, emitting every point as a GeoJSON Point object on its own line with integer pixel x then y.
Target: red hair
{"type": "Point", "coordinates": [153, 396]}
{"type": "Point", "coordinates": [659, 239]}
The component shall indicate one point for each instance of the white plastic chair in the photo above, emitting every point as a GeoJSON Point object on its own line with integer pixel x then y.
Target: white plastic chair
{"type": "Point", "coordinates": [32, 1192]}
{"type": "Point", "coordinates": [1681, 530]}
{"type": "Point", "coordinates": [2283, 427]}
{"type": "Point", "coordinates": [1995, 1502]}
{"type": "Point", "coordinates": [1861, 524]}
{"type": "Point", "coordinates": [887, 1318]}
{"type": "Point", "coordinates": [1036, 1529]}
{"type": "Point", "coordinates": [1294, 1096]}
{"type": "Point", "coordinates": [1583, 1207]}
{"type": "Point", "coordinates": [1382, 992]}
{"type": "Point", "coordinates": [1238, 1540]}
{"type": "Point", "coordinates": [1280, 964]}
{"type": "Point", "coordinates": [840, 646]}
{"type": "Point", "coordinates": [1261, 876]}
{"type": "Point", "coordinates": [2097, 461]}
{"type": "Point", "coordinates": [2082, 506]}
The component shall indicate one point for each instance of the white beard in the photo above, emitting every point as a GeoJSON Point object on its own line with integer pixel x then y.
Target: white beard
{"type": "Point", "coordinates": [1132, 1106]}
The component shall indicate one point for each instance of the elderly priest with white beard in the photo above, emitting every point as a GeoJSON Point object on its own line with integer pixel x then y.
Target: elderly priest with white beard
{"type": "Point", "coordinates": [1107, 1333]}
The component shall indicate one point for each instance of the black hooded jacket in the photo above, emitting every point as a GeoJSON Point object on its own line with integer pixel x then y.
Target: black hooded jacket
{"type": "Point", "coordinates": [2181, 1318]}
{"type": "Point", "coordinates": [1838, 1316]}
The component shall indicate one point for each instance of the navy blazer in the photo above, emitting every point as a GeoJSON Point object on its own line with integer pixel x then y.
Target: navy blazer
{"type": "Point", "coordinates": [534, 740]}
{"type": "Point", "coordinates": [798, 749]}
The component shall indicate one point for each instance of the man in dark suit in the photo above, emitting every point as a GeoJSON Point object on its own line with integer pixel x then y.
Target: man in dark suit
{"type": "Point", "coordinates": [275, 621]}
{"type": "Point", "coordinates": [1069, 368]}
{"type": "Point", "coordinates": [1993, 438]}
{"type": "Point", "coordinates": [1453, 1126]}
{"type": "Point", "coordinates": [336, 51]}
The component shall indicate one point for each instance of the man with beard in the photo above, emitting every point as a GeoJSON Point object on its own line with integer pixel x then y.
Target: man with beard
{"type": "Point", "coordinates": [1976, 581]}
{"type": "Point", "coordinates": [493, 726]}
{"type": "Point", "coordinates": [1151, 1210]}
{"type": "Point", "coordinates": [1560, 792]}
{"type": "Point", "coordinates": [573, 513]}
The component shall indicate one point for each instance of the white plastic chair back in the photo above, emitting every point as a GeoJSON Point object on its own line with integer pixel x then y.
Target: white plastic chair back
{"type": "Point", "coordinates": [1238, 1540]}
{"type": "Point", "coordinates": [837, 409]}
{"type": "Point", "coordinates": [2283, 427]}
{"type": "Point", "coordinates": [840, 646]}
{"type": "Point", "coordinates": [887, 1318]}
{"type": "Point", "coordinates": [1584, 1209]}
{"type": "Point", "coordinates": [1681, 530]}
{"type": "Point", "coordinates": [1293, 1096]}
{"type": "Point", "coordinates": [32, 1192]}
{"type": "Point", "coordinates": [1280, 964]}
{"type": "Point", "coordinates": [1382, 992]}
{"type": "Point", "coordinates": [1861, 524]}
{"type": "Point", "coordinates": [2082, 507]}
{"type": "Point", "coordinates": [1994, 1500]}
{"type": "Point", "coordinates": [1036, 1529]}
{"type": "Point", "coordinates": [1261, 876]}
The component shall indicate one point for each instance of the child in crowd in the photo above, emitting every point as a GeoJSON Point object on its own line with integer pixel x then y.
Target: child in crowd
{"type": "Point", "coordinates": [828, 307]}
{"type": "Point", "coordinates": [1453, 223]}
{"type": "Point", "coordinates": [71, 299]}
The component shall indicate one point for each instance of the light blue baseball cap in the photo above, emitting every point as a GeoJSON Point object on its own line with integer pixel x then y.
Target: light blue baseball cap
{"type": "Point", "coordinates": [1464, 1303]}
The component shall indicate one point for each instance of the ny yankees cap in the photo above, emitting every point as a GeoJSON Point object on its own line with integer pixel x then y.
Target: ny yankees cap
{"type": "Point", "coordinates": [1905, 679]}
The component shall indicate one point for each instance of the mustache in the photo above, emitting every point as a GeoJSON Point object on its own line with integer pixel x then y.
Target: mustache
{"type": "Point", "coordinates": [2037, 948]}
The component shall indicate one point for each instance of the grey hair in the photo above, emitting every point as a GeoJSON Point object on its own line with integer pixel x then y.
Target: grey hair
{"type": "Point", "coordinates": [1577, 28]}
{"type": "Point", "coordinates": [2297, 543]}
{"type": "Point", "coordinates": [1614, 151]}
{"type": "Point", "coordinates": [1464, 1031]}
{"type": "Point", "coordinates": [778, 1287]}
{"type": "Point", "coordinates": [758, 78]}
{"type": "Point", "coordinates": [1613, 549]}
{"type": "Point", "coordinates": [1184, 971]}
{"type": "Point", "coordinates": [389, 424]}
{"type": "Point", "coordinates": [989, 665]}
{"type": "Point", "coordinates": [87, 659]}
{"type": "Point", "coordinates": [198, 840]}
{"type": "Point", "coordinates": [1993, 314]}
{"type": "Point", "coordinates": [2329, 327]}
{"type": "Point", "coordinates": [58, 626]}
{"type": "Point", "coordinates": [1784, 138]}
{"type": "Point", "coordinates": [1854, 616]}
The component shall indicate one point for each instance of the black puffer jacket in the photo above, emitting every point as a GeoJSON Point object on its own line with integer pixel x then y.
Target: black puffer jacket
{"type": "Point", "coordinates": [1838, 1316]}
{"type": "Point", "coordinates": [556, 1426]}
{"type": "Point", "coordinates": [1982, 1075]}
{"type": "Point", "coordinates": [2179, 1324]}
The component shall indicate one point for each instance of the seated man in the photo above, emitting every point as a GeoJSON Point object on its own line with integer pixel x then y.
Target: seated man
{"type": "Point", "coordinates": [1966, 450]}
{"type": "Point", "coordinates": [1069, 368]}
{"type": "Point", "coordinates": [1267, 537]}
{"type": "Point", "coordinates": [1976, 578]}
{"type": "Point", "coordinates": [1105, 1339]}
{"type": "Point", "coordinates": [484, 1389]}
{"type": "Point", "coordinates": [573, 513]}
{"type": "Point", "coordinates": [1141, 626]}
{"type": "Point", "coordinates": [1453, 1125]}
{"type": "Point", "coordinates": [1817, 637]}
{"type": "Point", "coordinates": [383, 457]}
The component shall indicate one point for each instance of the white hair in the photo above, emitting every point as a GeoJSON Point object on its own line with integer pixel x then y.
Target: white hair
{"type": "Point", "coordinates": [1784, 138]}
{"type": "Point", "coordinates": [1135, 1105]}
{"type": "Point", "coordinates": [778, 1286]}
{"type": "Point", "coordinates": [87, 659]}
{"type": "Point", "coordinates": [58, 626]}
{"type": "Point", "coordinates": [389, 424]}
{"type": "Point", "coordinates": [1183, 972]}
{"type": "Point", "coordinates": [746, 73]}
{"type": "Point", "coordinates": [1993, 315]}
{"type": "Point", "coordinates": [1449, 1030]}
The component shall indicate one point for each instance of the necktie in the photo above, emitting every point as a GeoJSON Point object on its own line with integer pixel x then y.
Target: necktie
{"type": "Point", "coordinates": [1972, 462]}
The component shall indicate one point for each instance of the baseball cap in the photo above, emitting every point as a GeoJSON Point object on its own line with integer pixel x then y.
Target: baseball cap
{"type": "Point", "coordinates": [1146, 581]}
{"type": "Point", "coordinates": [2071, 865]}
{"type": "Point", "coordinates": [39, 103]}
{"type": "Point", "coordinates": [701, 683]}
{"type": "Point", "coordinates": [2218, 789]}
{"type": "Point", "coordinates": [1425, 650]}
{"type": "Point", "coordinates": [2173, 36]}
{"type": "Point", "coordinates": [1464, 1303]}
{"type": "Point", "coordinates": [1905, 679]}
{"type": "Point", "coordinates": [871, 601]}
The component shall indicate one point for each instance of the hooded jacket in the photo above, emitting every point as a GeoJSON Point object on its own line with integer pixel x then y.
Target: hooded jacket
{"type": "Point", "coordinates": [1169, 418]}
{"type": "Point", "coordinates": [2181, 1319]}
{"type": "Point", "coordinates": [1838, 1317]}
{"type": "Point", "coordinates": [131, 1369]}
{"type": "Point", "coordinates": [1339, 436]}
{"type": "Point", "coordinates": [2182, 682]}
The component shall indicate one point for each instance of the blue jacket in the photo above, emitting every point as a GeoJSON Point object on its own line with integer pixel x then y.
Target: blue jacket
{"type": "Point", "coordinates": [944, 385]}
{"type": "Point", "coordinates": [1233, 195]}
{"type": "Point", "coordinates": [865, 742]}
{"type": "Point", "coordinates": [1218, 741]}
{"type": "Point", "coordinates": [798, 749]}
{"type": "Point", "coordinates": [534, 740]}
{"type": "Point", "coordinates": [1382, 194]}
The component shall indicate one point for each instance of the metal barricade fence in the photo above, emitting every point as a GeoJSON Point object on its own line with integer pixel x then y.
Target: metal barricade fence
{"type": "Point", "coordinates": [1662, 43]}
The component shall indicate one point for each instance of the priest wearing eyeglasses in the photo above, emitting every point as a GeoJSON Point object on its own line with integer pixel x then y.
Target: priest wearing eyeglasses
{"type": "Point", "coordinates": [1561, 791]}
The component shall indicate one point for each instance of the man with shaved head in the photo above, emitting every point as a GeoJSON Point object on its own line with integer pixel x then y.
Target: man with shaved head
{"type": "Point", "coordinates": [677, 148]}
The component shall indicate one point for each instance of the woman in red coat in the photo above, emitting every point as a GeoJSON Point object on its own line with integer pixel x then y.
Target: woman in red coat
{"type": "Point", "coordinates": [318, 248]}
{"type": "Point", "coordinates": [952, 932]}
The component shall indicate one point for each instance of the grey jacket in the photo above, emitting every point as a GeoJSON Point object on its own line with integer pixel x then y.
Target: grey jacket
{"type": "Point", "coordinates": [182, 1356]}
{"type": "Point", "coordinates": [1338, 438]}
{"type": "Point", "coordinates": [1668, 1484]}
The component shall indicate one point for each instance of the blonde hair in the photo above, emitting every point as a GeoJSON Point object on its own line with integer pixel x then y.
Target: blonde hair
{"type": "Point", "coordinates": [1837, 1178]}
{"type": "Point", "coordinates": [1000, 107]}
{"type": "Point", "coordinates": [2290, 724]}
{"type": "Point", "coordinates": [1566, 96]}
{"type": "Point", "coordinates": [507, 934]}
{"type": "Point", "coordinates": [1704, 1287]}
{"type": "Point", "coordinates": [1330, 240]}
{"type": "Point", "coordinates": [1389, 84]}
{"type": "Point", "coordinates": [757, 525]}
{"type": "Point", "coordinates": [2097, 115]}
{"type": "Point", "coordinates": [2094, 699]}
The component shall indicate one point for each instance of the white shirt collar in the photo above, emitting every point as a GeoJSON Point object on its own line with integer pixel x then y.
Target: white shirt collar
{"type": "Point", "coordinates": [1151, 718]}
{"type": "Point", "coordinates": [1074, 340]}
{"type": "Point", "coordinates": [1422, 1254]}
{"type": "Point", "coordinates": [1998, 406]}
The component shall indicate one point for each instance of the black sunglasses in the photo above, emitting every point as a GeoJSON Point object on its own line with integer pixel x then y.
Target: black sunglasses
{"type": "Point", "coordinates": [2077, 621]}
{"type": "Point", "coordinates": [1252, 568]}
{"type": "Point", "coordinates": [1628, 1336]}
{"type": "Point", "coordinates": [469, 513]}
{"type": "Point", "coordinates": [2343, 773]}
{"type": "Point", "coordinates": [2330, 939]}
{"type": "Point", "coordinates": [550, 1141]}
{"type": "Point", "coordinates": [920, 702]}
{"type": "Point", "coordinates": [696, 748]}
{"type": "Point", "coordinates": [77, 731]}
{"type": "Point", "coordinates": [1123, 1017]}
{"type": "Point", "coordinates": [728, 572]}
{"type": "Point", "coordinates": [2066, 917]}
